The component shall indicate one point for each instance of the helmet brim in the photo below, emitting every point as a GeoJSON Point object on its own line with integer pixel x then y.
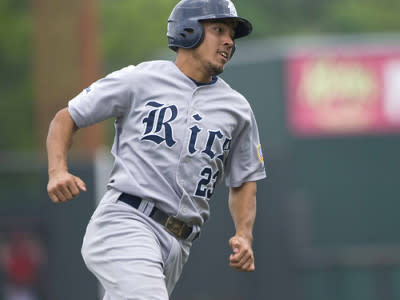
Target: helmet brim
{"type": "Point", "coordinates": [243, 28]}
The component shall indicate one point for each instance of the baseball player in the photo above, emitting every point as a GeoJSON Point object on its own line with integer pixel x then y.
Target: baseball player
{"type": "Point", "coordinates": [179, 130]}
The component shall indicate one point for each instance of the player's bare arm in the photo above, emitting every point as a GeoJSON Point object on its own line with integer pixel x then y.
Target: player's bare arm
{"type": "Point", "coordinates": [242, 205]}
{"type": "Point", "coordinates": [62, 185]}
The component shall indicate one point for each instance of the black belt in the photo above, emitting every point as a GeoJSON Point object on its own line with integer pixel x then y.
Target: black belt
{"type": "Point", "coordinates": [176, 227]}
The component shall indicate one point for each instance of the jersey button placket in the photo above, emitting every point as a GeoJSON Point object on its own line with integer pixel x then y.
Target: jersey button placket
{"type": "Point", "coordinates": [185, 158]}
{"type": "Point", "coordinates": [184, 154]}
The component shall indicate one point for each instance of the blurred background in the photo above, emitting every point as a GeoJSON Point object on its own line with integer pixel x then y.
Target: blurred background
{"type": "Point", "coordinates": [323, 78]}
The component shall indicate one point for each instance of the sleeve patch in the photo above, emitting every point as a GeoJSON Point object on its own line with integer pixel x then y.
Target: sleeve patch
{"type": "Point", "coordinates": [259, 153]}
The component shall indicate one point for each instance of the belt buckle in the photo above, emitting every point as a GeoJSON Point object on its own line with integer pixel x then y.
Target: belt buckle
{"type": "Point", "coordinates": [175, 226]}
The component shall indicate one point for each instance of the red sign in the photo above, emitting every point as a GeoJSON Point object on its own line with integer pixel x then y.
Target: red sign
{"type": "Point", "coordinates": [344, 91]}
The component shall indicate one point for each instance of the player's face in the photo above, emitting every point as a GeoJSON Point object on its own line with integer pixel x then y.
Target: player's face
{"type": "Point", "coordinates": [216, 48]}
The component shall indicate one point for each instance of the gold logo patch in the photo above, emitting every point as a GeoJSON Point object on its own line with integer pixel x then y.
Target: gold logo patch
{"type": "Point", "coordinates": [259, 153]}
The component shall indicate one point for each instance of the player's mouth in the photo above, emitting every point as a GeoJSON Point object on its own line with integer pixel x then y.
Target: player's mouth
{"type": "Point", "coordinates": [224, 55]}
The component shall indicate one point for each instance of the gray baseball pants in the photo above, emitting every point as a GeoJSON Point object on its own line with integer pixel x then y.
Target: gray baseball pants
{"type": "Point", "coordinates": [131, 255]}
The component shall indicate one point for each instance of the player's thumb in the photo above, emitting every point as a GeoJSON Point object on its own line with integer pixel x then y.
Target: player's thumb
{"type": "Point", "coordinates": [80, 183]}
{"type": "Point", "coordinates": [234, 243]}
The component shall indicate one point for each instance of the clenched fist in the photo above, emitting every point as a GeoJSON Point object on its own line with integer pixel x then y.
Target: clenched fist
{"type": "Point", "coordinates": [64, 186]}
{"type": "Point", "coordinates": [242, 258]}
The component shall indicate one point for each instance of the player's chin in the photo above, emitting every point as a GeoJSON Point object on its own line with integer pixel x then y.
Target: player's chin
{"type": "Point", "coordinates": [217, 69]}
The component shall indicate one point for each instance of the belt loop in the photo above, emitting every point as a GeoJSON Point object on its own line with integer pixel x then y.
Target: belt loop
{"type": "Point", "coordinates": [149, 207]}
{"type": "Point", "coordinates": [194, 235]}
{"type": "Point", "coordinates": [146, 207]}
{"type": "Point", "coordinates": [142, 205]}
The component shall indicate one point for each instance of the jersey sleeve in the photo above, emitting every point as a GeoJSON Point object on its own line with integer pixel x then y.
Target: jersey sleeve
{"type": "Point", "coordinates": [105, 98]}
{"type": "Point", "coordinates": [245, 161]}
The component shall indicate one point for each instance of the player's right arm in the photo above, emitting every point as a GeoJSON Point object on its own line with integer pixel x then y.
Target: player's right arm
{"type": "Point", "coordinates": [62, 185]}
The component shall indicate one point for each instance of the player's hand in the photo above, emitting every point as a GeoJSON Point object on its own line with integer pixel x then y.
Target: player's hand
{"type": "Point", "coordinates": [242, 258]}
{"type": "Point", "coordinates": [64, 186]}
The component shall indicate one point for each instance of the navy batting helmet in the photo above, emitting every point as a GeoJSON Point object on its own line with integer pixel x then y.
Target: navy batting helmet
{"type": "Point", "coordinates": [185, 30]}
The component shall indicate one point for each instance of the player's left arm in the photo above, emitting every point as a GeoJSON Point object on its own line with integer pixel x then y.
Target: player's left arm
{"type": "Point", "coordinates": [242, 205]}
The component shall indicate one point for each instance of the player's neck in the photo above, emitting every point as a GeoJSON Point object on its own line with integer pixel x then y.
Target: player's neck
{"type": "Point", "coordinates": [190, 68]}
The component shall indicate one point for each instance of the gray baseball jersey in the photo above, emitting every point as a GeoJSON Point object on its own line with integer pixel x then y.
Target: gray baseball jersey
{"type": "Point", "coordinates": [174, 140]}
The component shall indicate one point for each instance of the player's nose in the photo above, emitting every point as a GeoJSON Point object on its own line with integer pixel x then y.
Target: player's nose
{"type": "Point", "coordinates": [228, 43]}
{"type": "Point", "coordinates": [228, 40]}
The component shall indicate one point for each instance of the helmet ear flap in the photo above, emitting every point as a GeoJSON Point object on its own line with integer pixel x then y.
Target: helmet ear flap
{"type": "Point", "coordinates": [200, 36]}
{"type": "Point", "coordinates": [186, 35]}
